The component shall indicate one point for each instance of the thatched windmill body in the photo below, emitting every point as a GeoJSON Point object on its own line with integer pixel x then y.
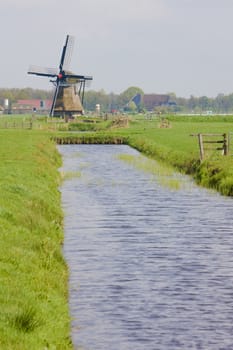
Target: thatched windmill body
{"type": "Point", "coordinates": [69, 87]}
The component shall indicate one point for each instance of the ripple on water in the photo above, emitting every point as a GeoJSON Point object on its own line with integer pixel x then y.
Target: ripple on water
{"type": "Point", "coordinates": [150, 267]}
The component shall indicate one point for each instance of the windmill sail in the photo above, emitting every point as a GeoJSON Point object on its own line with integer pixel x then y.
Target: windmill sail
{"type": "Point", "coordinates": [42, 71]}
{"type": "Point", "coordinates": [67, 53]}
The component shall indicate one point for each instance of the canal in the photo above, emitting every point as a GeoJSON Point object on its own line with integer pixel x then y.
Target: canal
{"type": "Point", "coordinates": [151, 263]}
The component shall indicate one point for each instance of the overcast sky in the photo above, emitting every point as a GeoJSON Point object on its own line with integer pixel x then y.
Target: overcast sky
{"type": "Point", "coordinates": [180, 46]}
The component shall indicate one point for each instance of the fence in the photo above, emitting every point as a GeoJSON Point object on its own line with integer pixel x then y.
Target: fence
{"type": "Point", "coordinates": [213, 142]}
{"type": "Point", "coordinates": [29, 125]}
{"type": "Point", "coordinates": [16, 125]}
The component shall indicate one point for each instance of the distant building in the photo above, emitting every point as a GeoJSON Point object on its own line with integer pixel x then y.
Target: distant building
{"type": "Point", "coordinates": [28, 106]}
{"type": "Point", "coordinates": [150, 101]}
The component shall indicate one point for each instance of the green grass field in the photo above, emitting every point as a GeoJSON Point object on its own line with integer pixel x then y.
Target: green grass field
{"type": "Point", "coordinates": [33, 274]}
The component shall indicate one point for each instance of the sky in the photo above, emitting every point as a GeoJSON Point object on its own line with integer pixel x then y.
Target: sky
{"type": "Point", "coordinates": [160, 46]}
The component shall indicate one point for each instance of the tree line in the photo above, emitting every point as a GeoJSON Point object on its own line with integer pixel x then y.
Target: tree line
{"type": "Point", "coordinates": [219, 104]}
{"type": "Point", "coordinates": [110, 102]}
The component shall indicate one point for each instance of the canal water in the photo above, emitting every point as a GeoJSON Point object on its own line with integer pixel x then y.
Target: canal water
{"type": "Point", "coordinates": [151, 265]}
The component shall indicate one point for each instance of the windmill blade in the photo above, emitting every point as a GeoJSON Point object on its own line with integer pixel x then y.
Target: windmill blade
{"type": "Point", "coordinates": [66, 53]}
{"type": "Point", "coordinates": [54, 99]}
{"type": "Point", "coordinates": [87, 77]}
{"type": "Point", "coordinates": [73, 79]}
{"type": "Point", "coordinates": [69, 51]}
{"type": "Point", "coordinates": [42, 71]}
{"type": "Point", "coordinates": [78, 76]}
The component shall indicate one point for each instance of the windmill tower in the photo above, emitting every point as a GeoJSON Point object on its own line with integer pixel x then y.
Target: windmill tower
{"type": "Point", "coordinates": [69, 87]}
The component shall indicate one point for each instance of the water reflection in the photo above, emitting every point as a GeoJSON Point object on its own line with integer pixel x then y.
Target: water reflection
{"type": "Point", "coordinates": [150, 267]}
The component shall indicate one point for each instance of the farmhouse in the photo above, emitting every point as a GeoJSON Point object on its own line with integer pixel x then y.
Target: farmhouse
{"type": "Point", "coordinates": [150, 101]}
{"type": "Point", "coordinates": [28, 106]}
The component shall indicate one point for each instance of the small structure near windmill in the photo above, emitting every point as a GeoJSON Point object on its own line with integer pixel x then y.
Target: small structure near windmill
{"type": "Point", "coordinates": [69, 87]}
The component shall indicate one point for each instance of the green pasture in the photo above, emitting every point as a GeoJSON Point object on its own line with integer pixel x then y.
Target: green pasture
{"type": "Point", "coordinates": [178, 135]}
{"type": "Point", "coordinates": [33, 275]}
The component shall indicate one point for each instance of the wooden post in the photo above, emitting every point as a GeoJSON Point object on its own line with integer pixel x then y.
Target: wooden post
{"type": "Point", "coordinates": [229, 142]}
{"type": "Point", "coordinates": [225, 145]}
{"type": "Point", "coordinates": [200, 140]}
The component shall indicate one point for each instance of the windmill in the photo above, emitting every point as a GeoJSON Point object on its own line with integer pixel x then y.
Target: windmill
{"type": "Point", "coordinates": [69, 87]}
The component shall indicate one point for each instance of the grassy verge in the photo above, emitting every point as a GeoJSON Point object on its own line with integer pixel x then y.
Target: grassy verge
{"type": "Point", "coordinates": [175, 146]}
{"type": "Point", "coordinates": [33, 275]}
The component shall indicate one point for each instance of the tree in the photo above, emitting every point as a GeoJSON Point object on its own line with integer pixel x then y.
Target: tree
{"type": "Point", "coordinates": [128, 94]}
{"type": "Point", "coordinates": [92, 98]}
{"type": "Point", "coordinates": [204, 103]}
{"type": "Point", "coordinates": [131, 107]}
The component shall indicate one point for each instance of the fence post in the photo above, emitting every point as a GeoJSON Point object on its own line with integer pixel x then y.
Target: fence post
{"type": "Point", "coordinates": [200, 140]}
{"type": "Point", "coordinates": [225, 145]}
{"type": "Point", "coordinates": [229, 142]}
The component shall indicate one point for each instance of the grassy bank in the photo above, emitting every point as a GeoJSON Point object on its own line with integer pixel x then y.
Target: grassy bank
{"type": "Point", "coordinates": [33, 276]}
{"type": "Point", "coordinates": [176, 146]}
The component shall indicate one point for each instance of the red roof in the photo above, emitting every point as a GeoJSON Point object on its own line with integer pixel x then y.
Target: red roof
{"type": "Point", "coordinates": [35, 103]}
{"type": "Point", "coordinates": [152, 100]}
